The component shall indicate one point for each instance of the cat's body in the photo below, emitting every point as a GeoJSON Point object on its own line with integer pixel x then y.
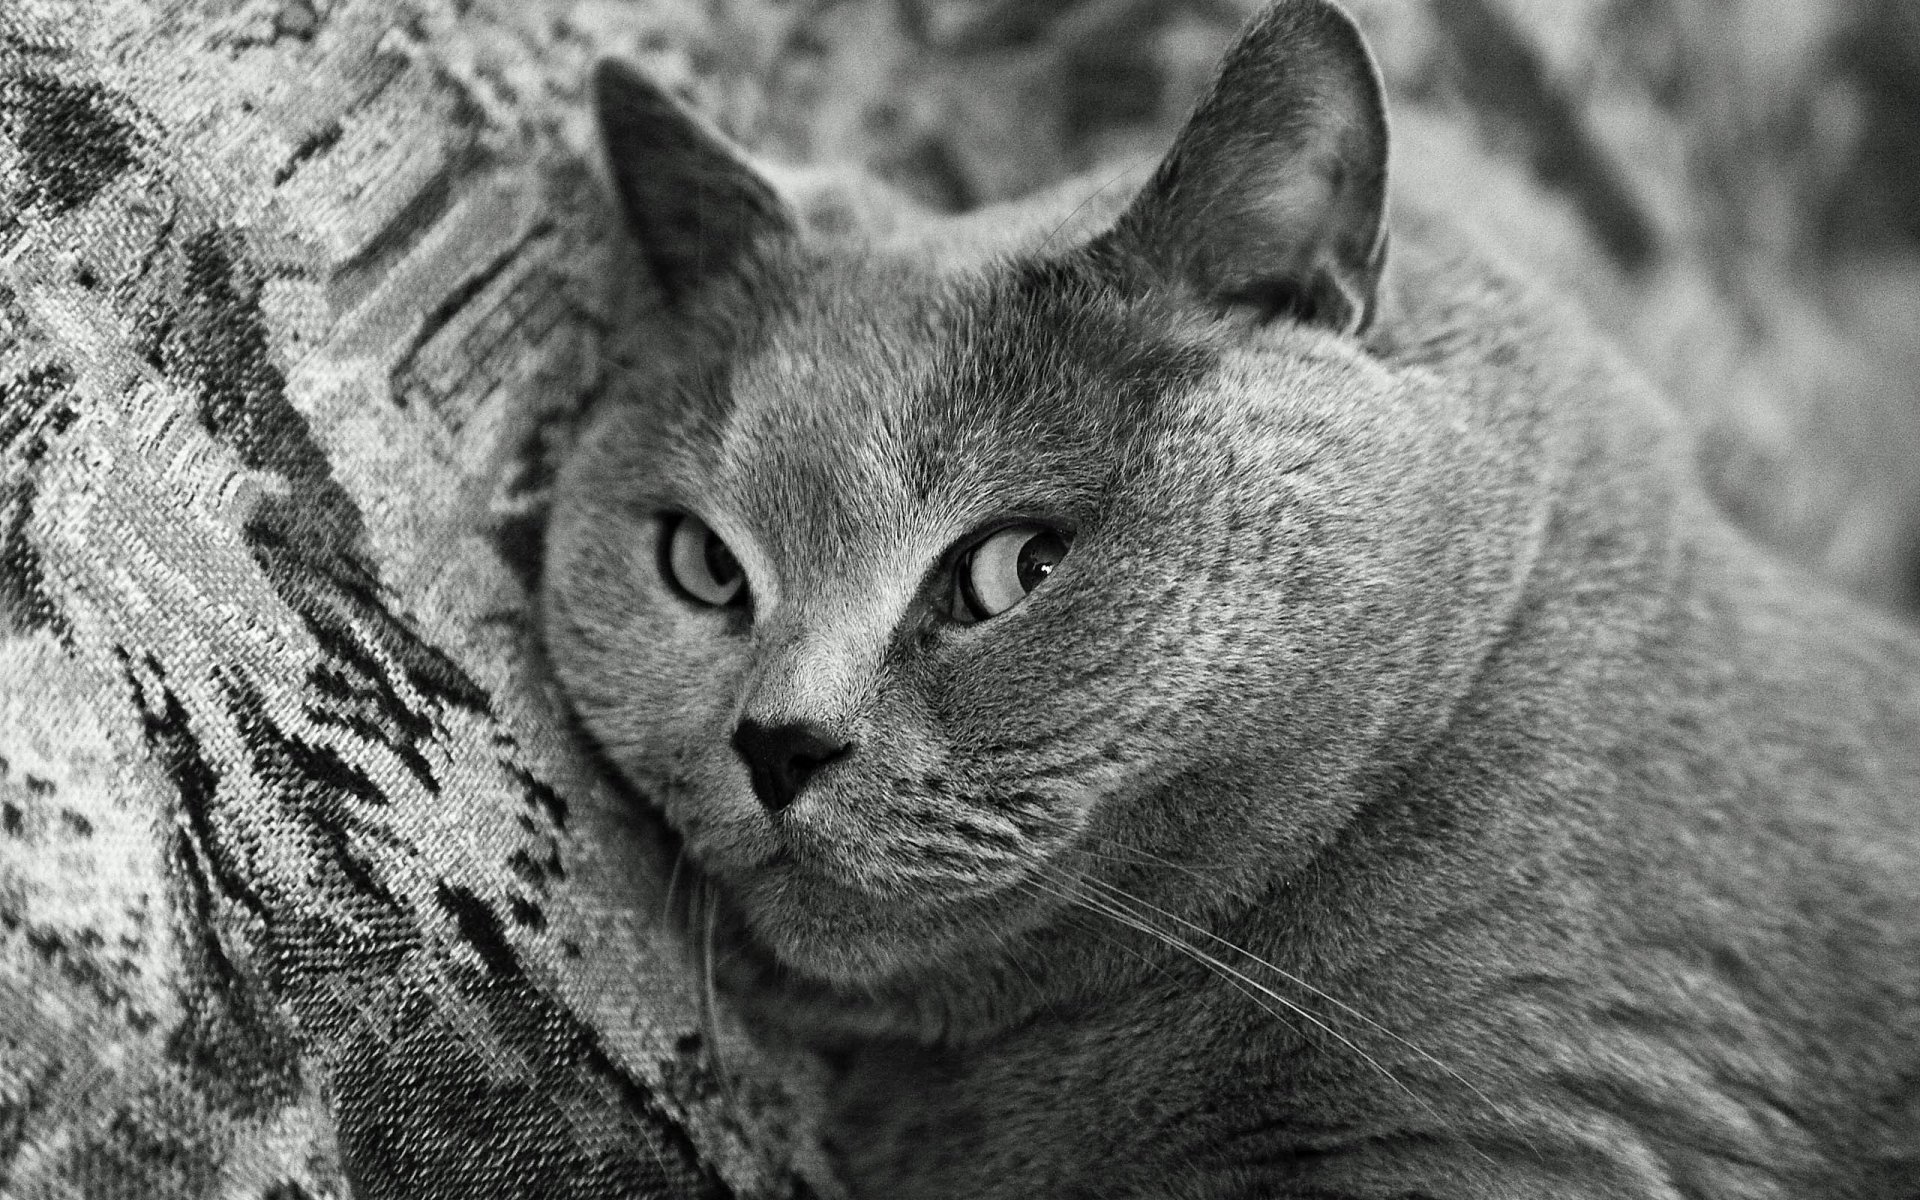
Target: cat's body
{"type": "Point", "coordinates": [1405, 784]}
{"type": "Point", "coordinates": [1660, 867]}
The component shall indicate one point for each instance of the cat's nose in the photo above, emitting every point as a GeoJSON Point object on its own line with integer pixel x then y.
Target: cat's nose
{"type": "Point", "coordinates": [782, 758]}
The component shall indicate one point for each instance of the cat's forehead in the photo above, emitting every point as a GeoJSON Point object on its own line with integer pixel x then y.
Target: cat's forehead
{"type": "Point", "coordinates": [893, 391]}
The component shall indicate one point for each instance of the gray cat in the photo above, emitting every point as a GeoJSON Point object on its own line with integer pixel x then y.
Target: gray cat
{"type": "Point", "coordinates": [1183, 707]}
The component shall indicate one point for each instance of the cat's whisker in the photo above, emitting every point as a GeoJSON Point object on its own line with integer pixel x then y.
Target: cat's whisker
{"type": "Point", "coordinates": [1135, 856]}
{"type": "Point", "coordinates": [1114, 907]}
{"type": "Point", "coordinates": [1120, 897]}
{"type": "Point", "coordinates": [710, 997]}
{"type": "Point", "coordinates": [1073, 914]}
{"type": "Point", "coordinates": [1247, 987]}
{"type": "Point", "coordinates": [673, 882]}
{"type": "Point", "coordinates": [1348, 1010]}
{"type": "Point", "coordinates": [1143, 855]}
{"type": "Point", "coordinates": [1079, 908]}
{"type": "Point", "coordinates": [1133, 164]}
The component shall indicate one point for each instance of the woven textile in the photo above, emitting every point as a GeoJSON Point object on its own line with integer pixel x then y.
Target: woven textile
{"type": "Point", "coordinates": [301, 876]}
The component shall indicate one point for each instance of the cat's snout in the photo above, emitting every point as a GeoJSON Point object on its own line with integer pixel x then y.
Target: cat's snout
{"type": "Point", "coordinates": [782, 758]}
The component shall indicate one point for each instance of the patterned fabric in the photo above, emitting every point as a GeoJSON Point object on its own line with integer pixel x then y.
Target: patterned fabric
{"type": "Point", "coordinates": [304, 877]}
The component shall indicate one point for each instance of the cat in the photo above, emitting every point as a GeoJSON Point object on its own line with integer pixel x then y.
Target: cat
{"type": "Point", "coordinates": [1178, 701]}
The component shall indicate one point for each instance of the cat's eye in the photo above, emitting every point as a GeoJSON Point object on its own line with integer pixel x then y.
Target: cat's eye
{"type": "Point", "coordinates": [999, 572]}
{"type": "Point", "coordinates": [700, 565]}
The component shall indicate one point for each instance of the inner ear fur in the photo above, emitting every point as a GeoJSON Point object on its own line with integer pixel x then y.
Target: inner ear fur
{"type": "Point", "coordinates": [695, 206]}
{"type": "Point", "coordinates": [1273, 197]}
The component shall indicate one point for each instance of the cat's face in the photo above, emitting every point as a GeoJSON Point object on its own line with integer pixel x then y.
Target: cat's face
{"type": "Point", "coordinates": [1024, 548]}
{"type": "Point", "coordinates": [937, 588]}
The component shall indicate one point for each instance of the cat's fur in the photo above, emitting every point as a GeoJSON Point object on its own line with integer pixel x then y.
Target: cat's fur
{"type": "Point", "coordinates": [1407, 785]}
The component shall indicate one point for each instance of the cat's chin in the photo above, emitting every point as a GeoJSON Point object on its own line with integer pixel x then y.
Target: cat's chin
{"type": "Point", "coordinates": [839, 936]}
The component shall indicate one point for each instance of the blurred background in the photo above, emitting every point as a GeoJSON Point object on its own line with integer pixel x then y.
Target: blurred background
{"type": "Point", "coordinates": [1732, 187]}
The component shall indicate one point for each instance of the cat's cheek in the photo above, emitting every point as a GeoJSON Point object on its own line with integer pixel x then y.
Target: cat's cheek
{"type": "Point", "coordinates": [723, 827]}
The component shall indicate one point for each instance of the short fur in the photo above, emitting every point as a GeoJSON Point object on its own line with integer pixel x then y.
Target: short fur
{"type": "Point", "coordinates": [1407, 785]}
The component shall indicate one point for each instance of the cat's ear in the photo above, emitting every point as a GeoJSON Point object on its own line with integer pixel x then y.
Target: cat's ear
{"type": "Point", "coordinates": [1273, 197]}
{"type": "Point", "coordinates": [695, 206]}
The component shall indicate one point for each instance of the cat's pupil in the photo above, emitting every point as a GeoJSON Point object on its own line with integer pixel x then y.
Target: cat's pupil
{"type": "Point", "coordinates": [1038, 558]}
{"type": "Point", "coordinates": [721, 563]}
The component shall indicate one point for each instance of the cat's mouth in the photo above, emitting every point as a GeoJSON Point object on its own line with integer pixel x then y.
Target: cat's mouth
{"type": "Point", "coordinates": [866, 879]}
{"type": "Point", "coordinates": [814, 915]}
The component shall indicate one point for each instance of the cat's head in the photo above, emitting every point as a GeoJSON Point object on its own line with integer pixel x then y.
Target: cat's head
{"type": "Point", "coordinates": [942, 577]}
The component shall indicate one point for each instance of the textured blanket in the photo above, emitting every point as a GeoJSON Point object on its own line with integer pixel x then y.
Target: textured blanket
{"type": "Point", "coordinates": [307, 889]}
{"type": "Point", "coordinates": [301, 878]}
